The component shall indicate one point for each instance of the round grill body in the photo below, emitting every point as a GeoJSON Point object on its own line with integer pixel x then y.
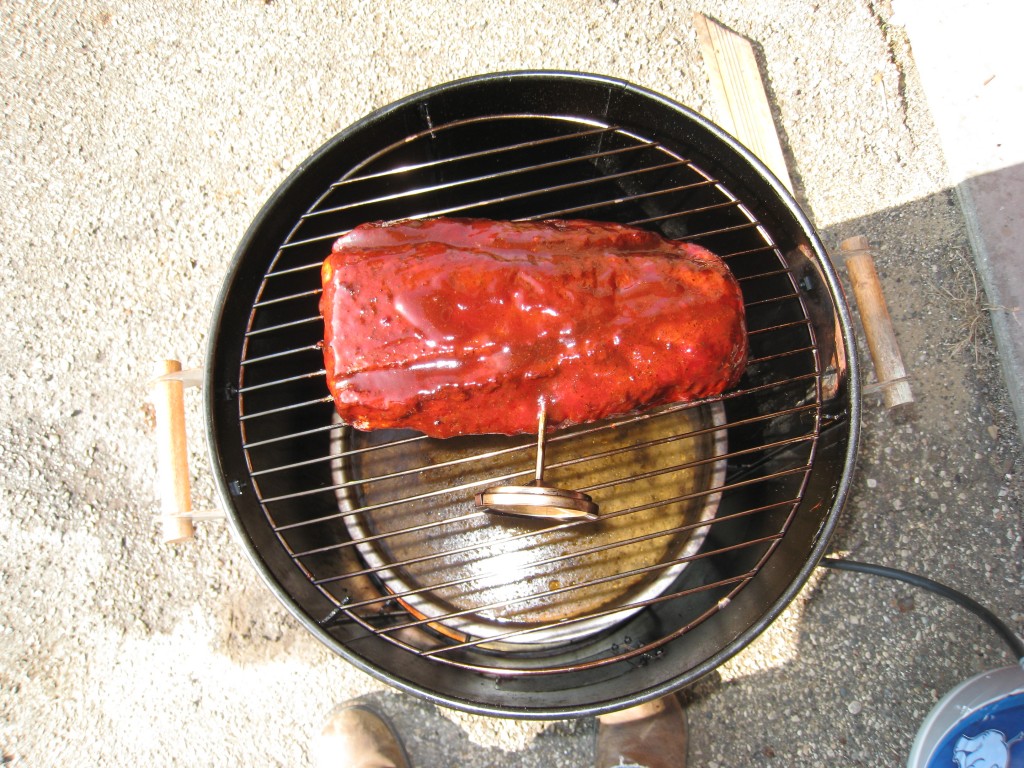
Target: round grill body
{"type": "Point", "coordinates": [371, 539]}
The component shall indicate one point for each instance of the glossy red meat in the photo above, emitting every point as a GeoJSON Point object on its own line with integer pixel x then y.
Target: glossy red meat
{"type": "Point", "coordinates": [460, 326]}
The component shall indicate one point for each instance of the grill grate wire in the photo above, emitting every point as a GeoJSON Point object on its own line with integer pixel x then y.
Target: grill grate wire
{"type": "Point", "coordinates": [295, 448]}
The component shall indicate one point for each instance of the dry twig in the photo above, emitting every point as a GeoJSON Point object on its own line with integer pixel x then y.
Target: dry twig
{"type": "Point", "coordinates": [969, 301]}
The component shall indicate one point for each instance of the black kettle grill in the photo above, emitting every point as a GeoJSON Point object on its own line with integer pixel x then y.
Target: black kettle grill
{"type": "Point", "coordinates": [713, 513]}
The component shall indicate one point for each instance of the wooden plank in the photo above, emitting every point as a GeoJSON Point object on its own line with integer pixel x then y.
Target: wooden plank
{"type": "Point", "coordinates": [738, 89]}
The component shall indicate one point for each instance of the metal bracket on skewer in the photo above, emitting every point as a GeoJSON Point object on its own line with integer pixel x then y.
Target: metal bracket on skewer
{"type": "Point", "coordinates": [538, 500]}
{"type": "Point", "coordinates": [189, 377]}
{"type": "Point", "coordinates": [172, 484]}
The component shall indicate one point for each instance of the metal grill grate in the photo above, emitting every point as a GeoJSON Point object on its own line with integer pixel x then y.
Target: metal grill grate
{"type": "Point", "coordinates": [383, 525]}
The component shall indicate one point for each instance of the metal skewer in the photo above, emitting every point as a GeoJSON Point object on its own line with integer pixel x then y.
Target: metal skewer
{"type": "Point", "coordinates": [536, 499]}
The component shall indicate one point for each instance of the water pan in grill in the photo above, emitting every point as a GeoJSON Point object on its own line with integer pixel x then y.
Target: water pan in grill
{"type": "Point", "coordinates": [531, 582]}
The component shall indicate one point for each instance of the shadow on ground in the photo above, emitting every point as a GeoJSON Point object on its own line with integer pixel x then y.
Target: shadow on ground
{"type": "Point", "coordinates": [433, 739]}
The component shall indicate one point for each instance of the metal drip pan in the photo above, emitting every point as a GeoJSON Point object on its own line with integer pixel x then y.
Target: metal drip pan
{"type": "Point", "coordinates": [516, 582]}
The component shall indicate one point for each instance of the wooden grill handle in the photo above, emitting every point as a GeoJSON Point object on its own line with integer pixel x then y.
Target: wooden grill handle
{"type": "Point", "coordinates": [874, 316]}
{"type": "Point", "coordinates": [173, 487]}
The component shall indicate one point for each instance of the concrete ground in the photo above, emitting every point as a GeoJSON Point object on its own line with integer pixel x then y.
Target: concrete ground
{"type": "Point", "coordinates": [977, 102]}
{"type": "Point", "coordinates": [138, 142]}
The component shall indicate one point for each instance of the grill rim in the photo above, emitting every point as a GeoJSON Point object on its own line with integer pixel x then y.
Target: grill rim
{"type": "Point", "coordinates": [222, 370]}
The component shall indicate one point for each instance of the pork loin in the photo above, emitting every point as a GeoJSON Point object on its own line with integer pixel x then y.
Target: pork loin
{"type": "Point", "coordinates": [462, 326]}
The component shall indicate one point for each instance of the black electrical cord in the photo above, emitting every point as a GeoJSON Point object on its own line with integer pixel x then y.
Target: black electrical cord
{"type": "Point", "coordinates": [983, 613]}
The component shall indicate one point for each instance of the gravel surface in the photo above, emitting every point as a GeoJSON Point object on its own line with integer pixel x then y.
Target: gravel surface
{"type": "Point", "coordinates": [139, 142]}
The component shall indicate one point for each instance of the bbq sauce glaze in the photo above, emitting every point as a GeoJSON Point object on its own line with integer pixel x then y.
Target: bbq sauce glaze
{"type": "Point", "coordinates": [461, 326]}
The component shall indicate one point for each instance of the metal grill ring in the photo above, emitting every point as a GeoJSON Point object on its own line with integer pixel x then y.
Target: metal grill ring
{"type": "Point", "coordinates": [381, 545]}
